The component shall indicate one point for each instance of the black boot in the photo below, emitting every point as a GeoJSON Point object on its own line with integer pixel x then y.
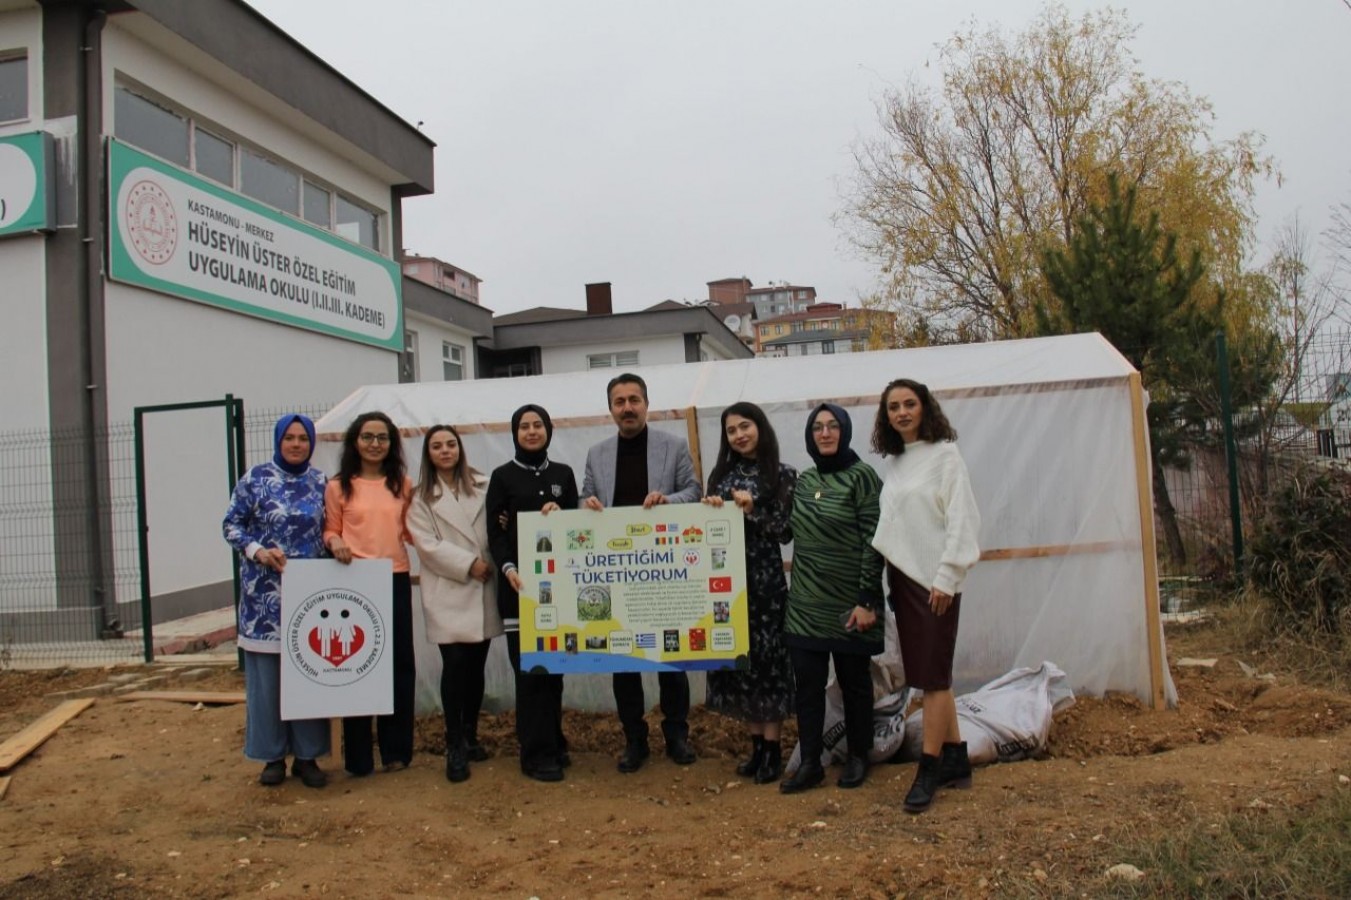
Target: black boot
{"type": "Point", "coordinates": [954, 768]}
{"type": "Point", "coordinates": [855, 772]}
{"type": "Point", "coordinates": [457, 762]}
{"type": "Point", "coordinates": [809, 774]}
{"type": "Point", "coordinates": [752, 765]}
{"type": "Point", "coordinates": [473, 750]}
{"type": "Point", "coordinates": [771, 764]}
{"type": "Point", "coordinates": [922, 792]}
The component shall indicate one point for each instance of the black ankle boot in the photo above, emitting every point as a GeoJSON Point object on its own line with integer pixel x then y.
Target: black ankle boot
{"type": "Point", "coordinates": [752, 765]}
{"type": "Point", "coordinates": [457, 762]}
{"type": "Point", "coordinates": [771, 764]}
{"type": "Point", "coordinates": [954, 768]}
{"type": "Point", "coordinates": [809, 774]}
{"type": "Point", "coordinates": [922, 792]}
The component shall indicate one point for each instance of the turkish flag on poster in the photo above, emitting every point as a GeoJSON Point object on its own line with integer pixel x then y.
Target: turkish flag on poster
{"type": "Point", "coordinates": [720, 585]}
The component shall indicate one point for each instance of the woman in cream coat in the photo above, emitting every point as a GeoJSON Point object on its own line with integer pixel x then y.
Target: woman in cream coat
{"type": "Point", "coordinates": [459, 598]}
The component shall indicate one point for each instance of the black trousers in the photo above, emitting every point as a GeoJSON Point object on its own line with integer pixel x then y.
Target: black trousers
{"type": "Point", "coordinates": [675, 705]}
{"type": "Point", "coordinates": [462, 689]}
{"type": "Point", "coordinates": [539, 710]}
{"type": "Point", "coordinates": [810, 668]}
{"type": "Point", "coordinates": [395, 731]}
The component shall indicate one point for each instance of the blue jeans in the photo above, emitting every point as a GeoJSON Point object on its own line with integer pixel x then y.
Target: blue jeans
{"type": "Point", "coordinates": [266, 736]}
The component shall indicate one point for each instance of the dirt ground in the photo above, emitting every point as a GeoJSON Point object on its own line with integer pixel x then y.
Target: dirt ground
{"type": "Point", "coordinates": [135, 799]}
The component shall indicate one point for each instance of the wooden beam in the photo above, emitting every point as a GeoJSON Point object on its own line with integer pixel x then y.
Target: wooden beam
{"type": "Point", "coordinates": [692, 433]}
{"type": "Point", "coordinates": [219, 698]}
{"type": "Point", "coordinates": [335, 738]}
{"type": "Point", "coordinates": [4, 786]}
{"type": "Point", "coordinates": [28, 740]}
{"type": "Point", "coordinates": [1148, 549]}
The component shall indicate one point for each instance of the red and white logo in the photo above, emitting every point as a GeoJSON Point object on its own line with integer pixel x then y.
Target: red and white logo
{"type": "Point", "coordinates": [151, 222]}
{"type": "Point", "coordinates": [335, 637]}
{"type": "Point", "coordinates": [720, 585]}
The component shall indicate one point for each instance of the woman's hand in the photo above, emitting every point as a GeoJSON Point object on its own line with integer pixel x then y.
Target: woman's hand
{"type": "Point", "coordinates": [549, 507]}
{"type": "Point", "coordinates": [479, 571]}
{"type": "Point", "coordinates": [861, 619]}
{"type": "Point", "coordinates": [939, 601]}
{"type": "Point", "coordinates": [515, 580]}
{"type": "Point", "coordinates": [341, 552]}
{"type": "Point", "coordinates": [273, 558]}
{"type": "Point", "coordinates": [712, 500]}
{"type": "Point", "coordinates": [744, 501]}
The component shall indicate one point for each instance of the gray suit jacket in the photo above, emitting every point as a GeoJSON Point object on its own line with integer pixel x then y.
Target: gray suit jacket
{"type": "Point", "coordinates": [669, 469]}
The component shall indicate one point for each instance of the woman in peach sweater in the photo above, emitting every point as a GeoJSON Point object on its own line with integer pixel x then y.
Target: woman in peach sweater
{"type": "Point", "coordinates": [364, 512]}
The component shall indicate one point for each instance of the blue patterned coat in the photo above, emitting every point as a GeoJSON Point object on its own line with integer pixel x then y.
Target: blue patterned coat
{"type": "Point", "coordinates": [275, 509]}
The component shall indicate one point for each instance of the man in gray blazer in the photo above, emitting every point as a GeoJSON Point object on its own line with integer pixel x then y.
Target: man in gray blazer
{"type": "Point", "coordinates": [642, 467]}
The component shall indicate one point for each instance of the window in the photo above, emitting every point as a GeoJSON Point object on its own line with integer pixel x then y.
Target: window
{"type": "Point", "coordinates": [13, 87]}
{"type": "Point", "coordinates": [778, 329]}
{"type": "Point", "coordinates": [356, 223]}
{"type": "Point", "coordinates": [409, 372]}
{"type": "Point", "coordinates": [150, 126]}
{"type": "Point", "coordinates": [452, 361]}
{"type": "Point", "coordinates": [622, 359]}
{"type": "Point", "coordinates": [268, 181]}
{"type": "Point", "coordinates": [827, 346]}
{"type": "Point", "coordinates": [318, 208]}
{"type": "Point", "coordinates": [215, 157]}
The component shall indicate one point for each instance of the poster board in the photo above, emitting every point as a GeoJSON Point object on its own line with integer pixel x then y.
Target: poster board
{"type": "Point", "coordinates": [336, 628]}
{"type": "Point", "coordinates": [633, 590]}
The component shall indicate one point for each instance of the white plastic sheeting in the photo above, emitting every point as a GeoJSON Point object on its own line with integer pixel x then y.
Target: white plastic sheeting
{"type": "Point", "coordinates": [1045, 427]}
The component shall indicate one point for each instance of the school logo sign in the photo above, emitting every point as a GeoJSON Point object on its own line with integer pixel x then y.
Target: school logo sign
{"type": "Point", "coordinates": [152, 222]}
{"type": "Point", "coordinates": [336, 637]}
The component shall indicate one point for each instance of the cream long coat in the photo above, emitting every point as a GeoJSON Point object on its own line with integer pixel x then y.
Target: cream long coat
{"type": "Point", "coordinates": [449, 535]}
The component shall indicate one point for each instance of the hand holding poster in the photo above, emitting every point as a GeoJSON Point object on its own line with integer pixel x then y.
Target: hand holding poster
{"type": "Point", "coordinates": [335, 638]}
{"type": "Point", "coordinates": [631, 590]}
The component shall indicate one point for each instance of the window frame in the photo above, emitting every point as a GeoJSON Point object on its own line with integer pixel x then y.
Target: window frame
{"type": "Point", "coordinates": [20, 55]}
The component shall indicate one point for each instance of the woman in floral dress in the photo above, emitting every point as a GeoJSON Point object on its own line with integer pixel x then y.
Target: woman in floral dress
{"type": "Point", "coordinates": [748, 473]}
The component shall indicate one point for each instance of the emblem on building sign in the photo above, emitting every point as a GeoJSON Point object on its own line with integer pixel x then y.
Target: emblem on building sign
{"type": "Point", "coordinates": [335, 637]}
{"type": "Point", "coordinates": [152, 222]}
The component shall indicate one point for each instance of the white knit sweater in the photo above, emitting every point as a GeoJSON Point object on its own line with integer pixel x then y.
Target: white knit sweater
{"type": "Point", "coordinates": [930, 523]}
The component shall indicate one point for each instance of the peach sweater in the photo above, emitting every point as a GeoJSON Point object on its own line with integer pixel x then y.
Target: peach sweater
{"type": "Point", "coordinates": [371, 521]}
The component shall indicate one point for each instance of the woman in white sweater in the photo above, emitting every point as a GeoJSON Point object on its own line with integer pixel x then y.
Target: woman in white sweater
{"type": "Point", "coordinates": [449, 527]}
{"type": "Point", "coordinates": [927, 533]}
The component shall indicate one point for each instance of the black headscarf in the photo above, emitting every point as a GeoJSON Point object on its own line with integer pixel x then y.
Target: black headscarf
{"type": "Point", "coordinates": [532, 457]}
{"type": "Point", "coordinates": [279, 431]}
{"type": "Point", "coordinates": [844, 457]}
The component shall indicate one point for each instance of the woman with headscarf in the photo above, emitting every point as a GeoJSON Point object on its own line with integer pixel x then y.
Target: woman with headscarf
{"type": "Point", "coordinates": [748, 473]}
{"type": "Point", "coordinates": [835, 595]}
{"type": "Point", "coordinates": [928, 533]}
{"type": "Point", "coordinates": [365, 509]}
{"type": "Point", "coordinates": [529, 482]}
{"type": "Point", "coordinates": [449, 526]}
{"type": "Point", "coordinates": [276, 513]}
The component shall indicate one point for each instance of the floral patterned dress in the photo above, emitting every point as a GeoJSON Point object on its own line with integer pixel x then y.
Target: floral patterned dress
{"type": "Point", "coordinates": [764, 691]}
{"type": "Point", "coordinates": [275, 509]}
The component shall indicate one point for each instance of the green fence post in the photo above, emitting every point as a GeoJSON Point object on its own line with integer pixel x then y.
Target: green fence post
{"type": "Point", "coordinates": [143, 534]}
{"type": "Point", "coordinates": [1230, 452]}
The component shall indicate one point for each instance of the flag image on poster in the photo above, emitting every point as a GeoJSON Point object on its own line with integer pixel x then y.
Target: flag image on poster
{"type": "Point", "coordinates": [634, 593]}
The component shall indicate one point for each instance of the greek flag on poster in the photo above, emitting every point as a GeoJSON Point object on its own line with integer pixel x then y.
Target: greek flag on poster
{"type": "Point", "coordinates": [647, 641]}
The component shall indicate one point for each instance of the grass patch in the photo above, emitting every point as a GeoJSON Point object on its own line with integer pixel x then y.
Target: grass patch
{"type": "Point", "coordinates": [1299, 852]}
{"type": "Point", "coordinates": [1250, 627]}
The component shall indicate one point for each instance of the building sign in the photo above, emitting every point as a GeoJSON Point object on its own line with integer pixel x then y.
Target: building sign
{"type": "Point", "coordinates": [172, 232]}
{"type": "Point", "coordinates": [629, 589]}
{"type": "Point", "coordinates": [27, 198]}
{"type": "Point", "coordinates": [336, 658]}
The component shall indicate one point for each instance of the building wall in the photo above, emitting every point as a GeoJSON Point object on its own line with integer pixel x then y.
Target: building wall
{"type": "Point", "coordinates": [430, 335]}
{"type": "Point", "coordinates": [23, 339]}
{"type": "Point", "coordinates": [22, 30]}
{"type": "Point", "coordinates": [651, 352]}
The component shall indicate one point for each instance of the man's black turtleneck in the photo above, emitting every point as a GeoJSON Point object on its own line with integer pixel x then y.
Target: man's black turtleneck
{"type": "Point", "coordinates": [631, 470]}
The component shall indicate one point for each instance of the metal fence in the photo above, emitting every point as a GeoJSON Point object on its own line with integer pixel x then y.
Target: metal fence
{"type": "Point", "coordinates": [70, 574]}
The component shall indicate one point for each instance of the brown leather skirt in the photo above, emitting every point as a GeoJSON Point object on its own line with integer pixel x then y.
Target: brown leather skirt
{"type": "Point", "coordinates": [927, 641]}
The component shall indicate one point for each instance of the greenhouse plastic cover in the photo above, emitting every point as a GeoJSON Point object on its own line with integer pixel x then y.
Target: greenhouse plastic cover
{"type": "Point", "coordinates": [1044, 425]}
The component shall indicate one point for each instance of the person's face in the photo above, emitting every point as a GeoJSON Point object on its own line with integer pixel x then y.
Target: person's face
{"type": "Point", "coordinates": [444, 450]}
{"type": "Point", "coordinates": [295, 444]}
{"type": "Point", "coordinates": [530, 433]}
{"type": "Point", "coordinates": [905, 413]}
{"type": "Point", "coordinates": [742, 434]}
{"type": "Point", "coordinates": [373, 441]}
{"type": "Point", "coordinates": [826, 433]}
{"type": "Point", "coordinates": [628, 407]}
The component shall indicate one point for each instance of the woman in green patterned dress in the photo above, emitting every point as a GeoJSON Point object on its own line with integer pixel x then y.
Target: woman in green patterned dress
{"type": "Point", "coordinates": [835, 595]}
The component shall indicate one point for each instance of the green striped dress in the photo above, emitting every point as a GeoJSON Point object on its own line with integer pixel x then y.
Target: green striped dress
{"type": "Point", "coordinates": [835, 567]}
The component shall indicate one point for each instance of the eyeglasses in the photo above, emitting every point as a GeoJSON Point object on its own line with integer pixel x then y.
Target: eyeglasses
{"type": "Point", "coordinates": [373, 438]}
{"type": "Point", "coordinates": [823, 427]}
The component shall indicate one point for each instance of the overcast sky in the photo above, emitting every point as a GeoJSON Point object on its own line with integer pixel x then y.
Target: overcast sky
{"type": "Point", "coordinates": [659, 146]}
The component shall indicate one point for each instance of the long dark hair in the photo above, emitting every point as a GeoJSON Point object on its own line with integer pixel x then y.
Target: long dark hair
{"type": "Point", "coordinates": [392, 467]}
{"type": "Point", "coordinates": [933, 425]}
{"type": "Point", "coordinates": [766, 448]}
{"type": "Point", "coordinates": [461, 477]}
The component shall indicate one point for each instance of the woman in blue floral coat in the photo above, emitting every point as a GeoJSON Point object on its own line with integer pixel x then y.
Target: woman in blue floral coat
{"type": "Point", "coordinates": [276, 514]}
